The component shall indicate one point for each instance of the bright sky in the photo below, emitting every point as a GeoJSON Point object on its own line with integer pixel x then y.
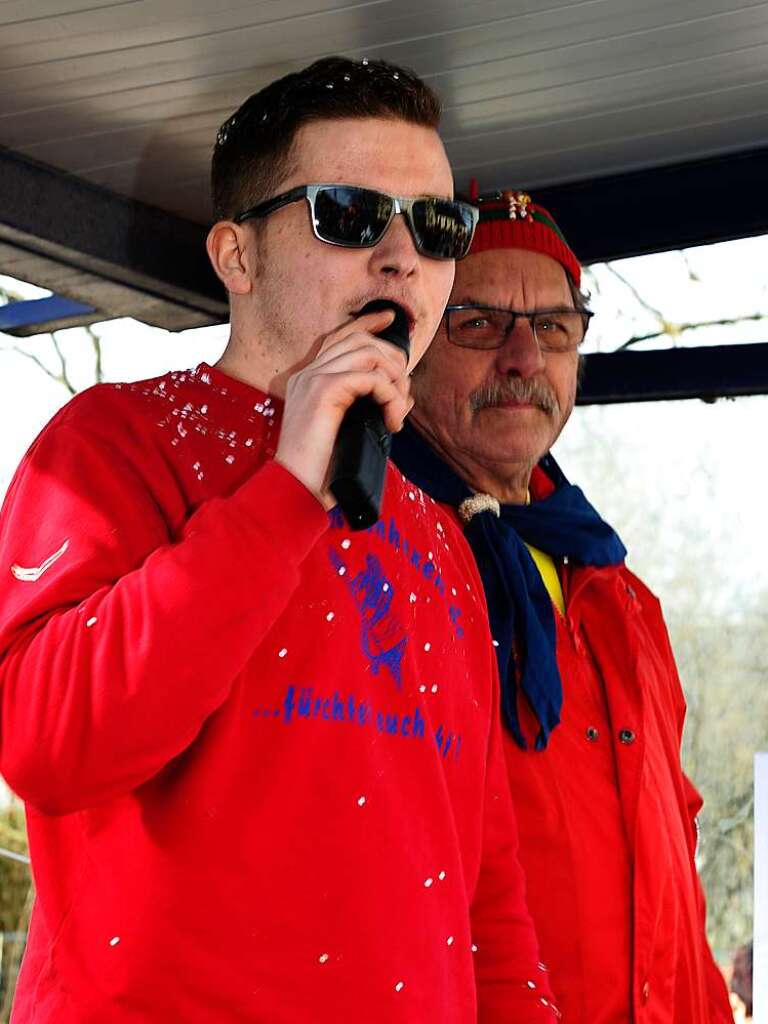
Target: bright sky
{"type": "Point", "coordinates": [677, 475]}
{"type": "Point", "coordinates": [706, 283]}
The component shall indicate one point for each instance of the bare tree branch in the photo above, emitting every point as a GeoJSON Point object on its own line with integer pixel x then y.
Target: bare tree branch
{"type": "Point", "coordinates": [34, 358]}
{"type": "Point", "coordinates": [678, 329]}
{"type": "Point", "coordinates": [61, 378]}
{"type": "Point", "coordinates": [64, 377]}
{"type": "Point", "coordinates": [692, 275]}
{"type": "Point", "coordinates": [643, 302]}
{"type": "Point", "coordinates": [98, 370]}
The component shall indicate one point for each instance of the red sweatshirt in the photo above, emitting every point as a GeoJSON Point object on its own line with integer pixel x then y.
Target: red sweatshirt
{"type": "Point", "coordinates": [260, 753]}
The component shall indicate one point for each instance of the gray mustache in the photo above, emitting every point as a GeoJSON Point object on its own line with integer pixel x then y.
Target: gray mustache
{"type": "Point", "coordinates": [533, 390]}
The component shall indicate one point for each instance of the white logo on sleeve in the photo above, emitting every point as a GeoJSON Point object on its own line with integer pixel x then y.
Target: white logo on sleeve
{"type": "Point", "coordinates": [33, 574]}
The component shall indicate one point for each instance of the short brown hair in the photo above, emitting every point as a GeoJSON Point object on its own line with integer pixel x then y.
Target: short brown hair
{"type": "Point", "coordinates": [253, 146]}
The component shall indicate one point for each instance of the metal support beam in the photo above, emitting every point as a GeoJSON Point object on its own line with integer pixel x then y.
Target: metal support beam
{"type": "Point", "coordinates": [663, 208]}
{"type": "Point", "coordinates": [720, 371]}
{"type": "Point", "coordinates": [121, 257]}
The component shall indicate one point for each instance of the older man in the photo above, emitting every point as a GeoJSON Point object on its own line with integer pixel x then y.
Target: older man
{"type": "Point", "coordinates": [592, 702]}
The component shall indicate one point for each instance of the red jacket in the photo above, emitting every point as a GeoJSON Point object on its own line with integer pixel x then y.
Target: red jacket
{"type": "Point", "coordinates": [264, 776]}
{"type": "Point", "coordinates": [607, 819]}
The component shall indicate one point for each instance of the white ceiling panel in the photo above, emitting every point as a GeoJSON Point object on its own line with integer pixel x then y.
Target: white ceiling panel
{"type": "Point", "coordinates": [129, 94]}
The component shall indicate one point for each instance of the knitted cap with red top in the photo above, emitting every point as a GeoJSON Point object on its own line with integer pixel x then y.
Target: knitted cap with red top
{"type": "Point", "coordinates": [511, 220]}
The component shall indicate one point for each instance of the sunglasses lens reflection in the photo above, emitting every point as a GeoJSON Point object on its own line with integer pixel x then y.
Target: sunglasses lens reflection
{"type": "Point", "coordinates": [443, 228]}
{"type": "Point", "coordinates": [355, 217]}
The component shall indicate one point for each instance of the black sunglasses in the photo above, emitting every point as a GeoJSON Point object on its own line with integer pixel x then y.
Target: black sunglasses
{"type": "Point", "coordinates": [357, 218]}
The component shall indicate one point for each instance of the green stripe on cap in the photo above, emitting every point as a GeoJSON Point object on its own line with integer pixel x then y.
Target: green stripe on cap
{"type": "Point", "coordinates": [544, 219]}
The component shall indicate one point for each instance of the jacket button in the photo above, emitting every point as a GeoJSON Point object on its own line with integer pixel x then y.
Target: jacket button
{"type": "Point", "coordinates": [627, 736]}
{"type": "Point", "coordinates": [592, 733]}
{"type": "Point", "coordinates": [645, 992]}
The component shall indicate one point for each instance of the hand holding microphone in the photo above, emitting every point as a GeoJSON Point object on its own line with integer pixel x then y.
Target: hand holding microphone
{"type": "Point", "coordinates": [363, 443]}
{"type": "Point", "coordinates": [355, 366]}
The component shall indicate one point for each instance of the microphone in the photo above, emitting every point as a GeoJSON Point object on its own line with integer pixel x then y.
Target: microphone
{"type": "Point", "coordinates": [363, 442]}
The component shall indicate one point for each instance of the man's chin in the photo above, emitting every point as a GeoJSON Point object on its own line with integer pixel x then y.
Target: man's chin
{"type": "Point", "coordinates": [517, 434]}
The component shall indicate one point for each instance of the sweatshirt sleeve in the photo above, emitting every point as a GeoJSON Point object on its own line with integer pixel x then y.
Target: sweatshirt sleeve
{"type": "Point", "coordinates": [119, 632]}
{"type": "Point", "coordinates": [512, 984]}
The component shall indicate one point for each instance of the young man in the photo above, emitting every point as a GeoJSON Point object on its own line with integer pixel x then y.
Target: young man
{"type": "Point", "coordinates": [259, 750]}
{"type": "Point", "coordinates": [592, 703]}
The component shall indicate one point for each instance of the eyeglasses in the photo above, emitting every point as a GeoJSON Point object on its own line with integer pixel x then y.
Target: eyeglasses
{"type": "Point", "coordinates": [555, 330]}
{"type": "Point", "coordinates": [357, 218]}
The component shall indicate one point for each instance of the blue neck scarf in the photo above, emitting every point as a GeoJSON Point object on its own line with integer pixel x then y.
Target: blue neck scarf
{"type": "Point", "coordinates": [519, 607]}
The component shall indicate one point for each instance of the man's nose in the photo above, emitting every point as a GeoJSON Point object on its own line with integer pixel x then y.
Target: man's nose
{"type": "Point", "coordinates": [395, 255]}
{"type": "Point", "coordinates": [520, 355]}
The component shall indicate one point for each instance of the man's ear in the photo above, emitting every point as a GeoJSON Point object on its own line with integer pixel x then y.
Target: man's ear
{"type": "Point", "coordinates": [232, 250]}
